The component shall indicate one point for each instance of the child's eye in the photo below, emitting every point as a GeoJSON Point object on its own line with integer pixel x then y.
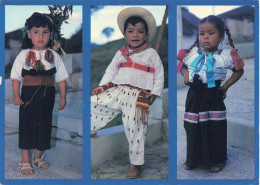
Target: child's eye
{"type": "Point", "coordinates": [201, 34]}
{"type": "Point", "coordinates": [141, 31]}
{"type": "Point", "coordinates": [35, 32]}
{"type": "Point", "coordinates": [211, 33]}
{"type": "Point", "coordinates": [46, 32]}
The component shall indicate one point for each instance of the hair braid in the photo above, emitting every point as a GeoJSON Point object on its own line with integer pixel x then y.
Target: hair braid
{"type": "Point", "coordinates": [229, 37]}
{"type": "Point", "coordinates": [194, 44]}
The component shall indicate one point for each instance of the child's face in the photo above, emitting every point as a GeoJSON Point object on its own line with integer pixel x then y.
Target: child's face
{"type": "Point", "coordinates": [209, 37]}
{"type": "Point", "coordinates": [135, 35]}
{"type": "Point", "coordinates": [39, 36]}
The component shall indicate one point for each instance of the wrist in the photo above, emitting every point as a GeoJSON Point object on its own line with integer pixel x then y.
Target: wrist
{"type": "Point", "coordinates": [225, 86]}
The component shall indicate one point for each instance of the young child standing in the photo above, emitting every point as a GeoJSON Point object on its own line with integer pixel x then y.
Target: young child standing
{"type": "Point", "coordinates": [204, 70]}
{"type": "Point", "coordinates": [38, 67]}
{"type": "Point", "coordinates": [130, 84]}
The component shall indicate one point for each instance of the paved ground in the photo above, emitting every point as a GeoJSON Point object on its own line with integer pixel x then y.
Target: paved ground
{"type": "Point", "coordinates": [156, 165]}
{"type": "Point", "coordinates": [65, 159]}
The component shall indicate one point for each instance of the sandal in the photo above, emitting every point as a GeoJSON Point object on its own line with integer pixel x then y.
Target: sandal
{"type": "Point", "coordinates": [40, 162]}
{"type": "Point", "coordinates": [217, 167]}
{"type": "Point", "coordinates": [133, 172]}
{"type": "Point", "coordinates": [26, 166]}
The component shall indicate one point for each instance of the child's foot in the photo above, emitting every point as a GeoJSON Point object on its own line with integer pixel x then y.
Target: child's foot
{"type": "Point", "coordinates": [186, 167]}
{"type": "Point", "coordinates": [133, 172]}
{"type": "Point", "coordinates": [40, 163]}
{"type": "Point", "coordinates": [26, 168]}
{"type": "Point", "coordinates": [217, 167]}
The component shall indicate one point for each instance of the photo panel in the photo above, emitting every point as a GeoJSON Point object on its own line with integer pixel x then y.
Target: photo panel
{"type": "Point", "coordinates": [41, 123]}
{"type": "Point", "coordinates": [121, 140]}
{"type": "Point", "coordinates": [217, 129]}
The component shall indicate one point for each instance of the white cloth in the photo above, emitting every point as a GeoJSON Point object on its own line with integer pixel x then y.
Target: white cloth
{"type": "Point", "coordinates": [135, 77]}
{"type": "Point", "coordinates": [107, 105]}
{"type": "Point", "coordinates": [223, 61]}
{"type": "Point", "coordinates": [20, 63]}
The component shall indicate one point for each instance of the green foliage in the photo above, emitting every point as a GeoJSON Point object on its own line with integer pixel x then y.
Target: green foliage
{"type": "Point", "coordinates": [59, 14]}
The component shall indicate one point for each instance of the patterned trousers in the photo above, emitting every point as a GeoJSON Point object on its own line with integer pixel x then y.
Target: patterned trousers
{"type": "Point", "coordinates": [108, 105]}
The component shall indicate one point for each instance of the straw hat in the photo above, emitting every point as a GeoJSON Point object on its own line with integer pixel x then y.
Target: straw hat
{"type": "Point", "coordinates": [138, 12]}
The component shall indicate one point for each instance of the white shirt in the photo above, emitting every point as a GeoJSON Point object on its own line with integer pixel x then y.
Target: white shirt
{"type": "Point", "coordinates": [135, 77]}
{"type": "Point", "coordinates": [20, 63]}
{"type": "Point", "coordinates": [223, 61]}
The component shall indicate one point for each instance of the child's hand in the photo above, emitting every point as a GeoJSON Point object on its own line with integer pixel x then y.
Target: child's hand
{"type": "Point", "coordinates": [224, 88]}
{"type": "Point", "coordinates": [95, 91]}
{"type": "Point", "coordinates": [63, 103]}
{"type": "Point", "coordinates": [17, 100]}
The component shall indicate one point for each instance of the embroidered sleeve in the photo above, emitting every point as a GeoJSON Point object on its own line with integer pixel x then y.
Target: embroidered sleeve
{"type": "Point", "coordinates": [224, 60]}
{"type": "Point", "coordinates": [61, 72]}
{"type": "Point", "coordinates": [191, 56]}
{"type": "Point", "coordinates": [158, 79]}
{"type": "Point", "coordinates": [112, 70]}
{"type": "Point", "coordinates": [16, 72]}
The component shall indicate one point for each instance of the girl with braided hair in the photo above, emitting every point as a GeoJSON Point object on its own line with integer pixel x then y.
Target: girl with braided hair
{"type": "Point", "coordinates": [37, 66]}
{"type": "Point", "coordinates": [204, 68]}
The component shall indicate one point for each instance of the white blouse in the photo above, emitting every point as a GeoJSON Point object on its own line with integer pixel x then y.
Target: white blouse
{"type": "Point", "coordinates": [20, 63]}
{"type": "Point", "coordinates": [135, 77]}
{"type": "Point", "coordinates": [222, 62]}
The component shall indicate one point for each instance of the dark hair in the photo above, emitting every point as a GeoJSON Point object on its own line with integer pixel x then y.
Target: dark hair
{"type": "Point", "coordinates": [134, 20]}
{"type": "Point", "coordinates": [36, 20]}
{"type": "Point", "coordinates": [219, 24]}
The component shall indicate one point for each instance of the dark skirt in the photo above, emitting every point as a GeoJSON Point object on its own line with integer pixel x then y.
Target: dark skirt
{"type": "Point", "coordinates": [206, 127]}
{"type": "Point", "coordinates": [35, 120]}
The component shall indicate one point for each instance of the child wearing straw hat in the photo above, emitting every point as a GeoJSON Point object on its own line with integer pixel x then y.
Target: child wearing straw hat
{"type": "Point", "coordinates": [130, 84]}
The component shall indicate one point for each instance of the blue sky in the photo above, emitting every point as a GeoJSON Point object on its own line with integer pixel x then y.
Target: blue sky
{"type": "Point", "coordinates": [16, 15]}
{"type": "Point", "coordinates": [204, 11]}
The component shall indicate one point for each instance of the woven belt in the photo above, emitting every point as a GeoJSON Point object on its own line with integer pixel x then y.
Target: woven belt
{"type": "Point", "coordinates": [39, 80]}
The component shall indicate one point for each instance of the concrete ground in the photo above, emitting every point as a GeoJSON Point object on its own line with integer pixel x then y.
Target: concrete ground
{"type": "Point", "coordinates": [65, 159]}
{"type": "Point", "coordinates": [156, 165]}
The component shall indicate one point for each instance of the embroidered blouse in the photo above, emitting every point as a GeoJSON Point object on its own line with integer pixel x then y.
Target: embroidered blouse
{"type": "Point", "coordinates": [221, 61]}
{"type": "Point", "coordinates": [135, 77]}
{"type": "Point", "coordinates": [39, 60]}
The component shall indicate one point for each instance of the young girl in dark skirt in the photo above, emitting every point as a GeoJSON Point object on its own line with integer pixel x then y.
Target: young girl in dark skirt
{"type": "Point", "coordinates": [204, 68]}
{"type": "Point", "coordinates": [37, 66]}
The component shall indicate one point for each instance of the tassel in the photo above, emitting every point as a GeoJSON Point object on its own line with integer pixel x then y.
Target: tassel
{"type": "Point", "coordinates": [239, 63]}
{"type": "Point", "coordinates": [181, 55]}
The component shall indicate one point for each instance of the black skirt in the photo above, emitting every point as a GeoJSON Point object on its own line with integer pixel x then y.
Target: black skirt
{"type": "Point", "coordinates": [206, 126]}
{"type": "Point", "coordinates": [35, 120]}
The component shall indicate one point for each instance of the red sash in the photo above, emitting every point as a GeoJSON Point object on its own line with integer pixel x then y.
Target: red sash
{"type": "Point", "coordinates": [129, 63]}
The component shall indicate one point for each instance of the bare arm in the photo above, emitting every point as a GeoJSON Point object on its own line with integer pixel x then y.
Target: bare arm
{"type": "Point", "coordinates": [63, 93]}
{"type": "Point", "coordinates": [16, 93]}
{"type": "Point", "coordinates": [185, 73]}
{"type": "Point", "coordinates": [236, 75]}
